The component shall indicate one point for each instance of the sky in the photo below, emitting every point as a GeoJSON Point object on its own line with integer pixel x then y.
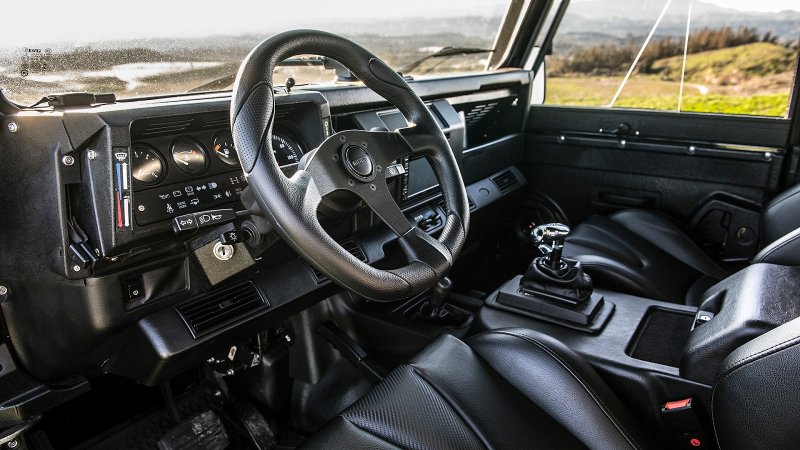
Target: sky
{"type": "Point", "coordinates": [44, 21]}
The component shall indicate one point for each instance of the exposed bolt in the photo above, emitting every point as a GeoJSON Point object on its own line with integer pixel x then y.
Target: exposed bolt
{"type": "Point", "coordinates": [692, 149]}
{"type": "Point", "coordinates": [335, 157]}
{"type": "Point", "coordinates": [13, 444]}
{"type": "Point", "coordinates": [768, 156]}
{"type": "Point", "coordinates": [350, 182]}
{"type": "Point", "coordinates": [68, 160]}
{"type": "Point", "coordinates": [373, 187]}
{"type": "Point", "coordinates": [562, 139]}
{"type": "Point", "coordinates": [342, 138]}
{"type": "Point", "coordinates": [704, 318]}
{"type": "Point", "coordinates": [364, 144]}
{"type": "Point", "coordinates": [623, 143]}
{"type": "Point", "coordinates": [3, 290]}
{"type": "Point", "coordinates": [92, 155]}
{"type": "Point", "coordinates": [76, 268]}
{"type": "Point", "coordinates": [12, 127]}
{"type": "Point", "coordinates": [378, 168]}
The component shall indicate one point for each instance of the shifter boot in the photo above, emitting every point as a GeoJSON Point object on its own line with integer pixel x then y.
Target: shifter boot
{"type": "Point", "coordinates": [567, 283]}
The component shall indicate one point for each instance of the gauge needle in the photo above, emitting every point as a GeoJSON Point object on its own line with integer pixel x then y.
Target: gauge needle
{"type": "Point", "coordinates": [185, 162]}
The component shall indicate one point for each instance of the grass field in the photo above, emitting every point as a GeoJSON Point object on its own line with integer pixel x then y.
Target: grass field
{"type": "Point", "coordinates": [753, 79]}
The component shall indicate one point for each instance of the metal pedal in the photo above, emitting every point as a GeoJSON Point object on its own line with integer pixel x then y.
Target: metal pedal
{"type": "Point", "coordinates": [202, 432]}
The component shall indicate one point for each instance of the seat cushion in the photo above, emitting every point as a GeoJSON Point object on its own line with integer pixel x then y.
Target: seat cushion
{"type": "Point", "coordinates": [643, 253]}
{"type": "Point", "coordinates": [508, 388]}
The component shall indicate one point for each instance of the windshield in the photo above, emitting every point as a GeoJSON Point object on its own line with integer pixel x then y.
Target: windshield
{"type": "Point", "coordinates": [148, 47]}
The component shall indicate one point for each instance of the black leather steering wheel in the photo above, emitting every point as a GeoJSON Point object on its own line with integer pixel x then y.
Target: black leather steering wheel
{"type": "Point", "coordinates": [352, 160]}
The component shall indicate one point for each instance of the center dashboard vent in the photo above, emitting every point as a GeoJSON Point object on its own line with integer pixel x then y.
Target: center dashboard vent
{"type": "Point", "coordinates": [505, 181]}
{"type": "Point", "coordinates": [219, 308]}
{"type": "Point", "coordinates": [351, 248]}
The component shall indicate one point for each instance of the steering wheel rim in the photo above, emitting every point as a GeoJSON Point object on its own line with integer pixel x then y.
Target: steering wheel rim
{"type": "Point", "coordinates": [341, 163]}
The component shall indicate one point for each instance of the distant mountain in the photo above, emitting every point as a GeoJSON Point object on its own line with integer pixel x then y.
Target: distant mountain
{"type": "Point", "coordinates": [614, 21]}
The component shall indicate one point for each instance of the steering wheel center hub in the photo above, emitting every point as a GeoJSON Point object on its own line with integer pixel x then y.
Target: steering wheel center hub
{"type": "Point", "coordinates": [358, 162]}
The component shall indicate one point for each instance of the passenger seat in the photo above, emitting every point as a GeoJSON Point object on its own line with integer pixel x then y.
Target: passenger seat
{"type": "Point", "coordinates": [649, 254]}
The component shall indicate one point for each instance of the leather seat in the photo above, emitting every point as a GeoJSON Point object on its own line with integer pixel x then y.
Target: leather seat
{"type": "Point", "coordinates": [649, 254]}
{"type": "Point", "coordinates": [515, 388]}
{"type": "Point", "coordinates": [510, 388]}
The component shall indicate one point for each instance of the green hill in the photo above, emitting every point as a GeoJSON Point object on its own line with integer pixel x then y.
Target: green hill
{"type": "Point", "coordinates": [729, 66]}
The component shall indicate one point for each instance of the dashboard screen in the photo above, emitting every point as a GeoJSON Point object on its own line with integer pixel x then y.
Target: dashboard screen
{"type": "Point", "coordinates": [420, 177]}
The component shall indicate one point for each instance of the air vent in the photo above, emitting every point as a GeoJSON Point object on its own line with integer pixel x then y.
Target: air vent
{"type": "Point", "coordinates": [219, 119]}
{"type": "Point", "coordinates": [505, 181]}
{"type": "Point", "coordinates": [472, 205]}
{"type": "Point", "coordinates": [157, 127]}
{"type": "Point", "coordinates": [478, 112]}
{"type": "Point", "coordinates": [283, 112]}
{"type": "Point", "coordinates": [220, 308]}
{"type": "Point", "coordinates": [351, 248]}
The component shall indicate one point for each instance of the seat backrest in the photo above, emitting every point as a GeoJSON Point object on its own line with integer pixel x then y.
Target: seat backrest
{"type": "Point", "coordinates": [781, 216]}
{"type": "Point", "coordinates": [756, 397]}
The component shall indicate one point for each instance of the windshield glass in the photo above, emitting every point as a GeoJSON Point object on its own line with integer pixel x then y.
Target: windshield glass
{"type": "Point", "coordinates": [148, 47]}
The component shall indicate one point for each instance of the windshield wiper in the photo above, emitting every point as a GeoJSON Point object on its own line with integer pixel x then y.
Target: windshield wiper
{"type": "Point", "coordinates": [227, 80]}
{"type": "Point", "coordinates": [444, 53]}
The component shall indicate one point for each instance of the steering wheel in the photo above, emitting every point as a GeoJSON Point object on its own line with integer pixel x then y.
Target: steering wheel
{"type": "Point", "coordinates": [351, 160]}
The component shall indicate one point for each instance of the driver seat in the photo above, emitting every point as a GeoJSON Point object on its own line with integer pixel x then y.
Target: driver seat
{"type": "Point", "coordinates": [510, 388]}
{"type": "Point", "coordinates": [515, 388]}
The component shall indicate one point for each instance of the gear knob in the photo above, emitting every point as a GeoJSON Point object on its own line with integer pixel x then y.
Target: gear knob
{"type": "Point", "coordinates": [550, 240]}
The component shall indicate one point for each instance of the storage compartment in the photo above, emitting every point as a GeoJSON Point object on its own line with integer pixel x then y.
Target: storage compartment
{"type": "Point", "coordinates": [662, 336]}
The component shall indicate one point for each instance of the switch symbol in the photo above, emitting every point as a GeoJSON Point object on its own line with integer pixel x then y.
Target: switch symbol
{"type": "Point", "coordinates": [170, 209]}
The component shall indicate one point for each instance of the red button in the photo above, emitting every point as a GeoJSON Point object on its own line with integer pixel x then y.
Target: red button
{"type": "Point", "coordinates": [695, 442]}
{"type": "Point", "coordinates": [678, 404]}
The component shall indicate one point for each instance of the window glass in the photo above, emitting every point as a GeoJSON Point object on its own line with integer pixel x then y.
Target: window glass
{"type": "Point", "coordinates": [152, 47]}
{"type": "Point", "coordinates": [738, 56]}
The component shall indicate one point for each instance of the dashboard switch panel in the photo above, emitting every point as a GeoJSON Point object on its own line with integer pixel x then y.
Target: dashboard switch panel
{"type": "Point", "coordinates": [122, 192]}
{"type": "Point", "coordinates": [178, 200]}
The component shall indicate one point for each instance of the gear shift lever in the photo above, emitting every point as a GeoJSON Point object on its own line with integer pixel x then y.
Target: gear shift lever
{"type": "Point", "coordinates": [550, 239]}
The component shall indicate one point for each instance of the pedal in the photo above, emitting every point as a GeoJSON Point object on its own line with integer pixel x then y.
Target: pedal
{"type": "Point", "coordinates": [203, 432]}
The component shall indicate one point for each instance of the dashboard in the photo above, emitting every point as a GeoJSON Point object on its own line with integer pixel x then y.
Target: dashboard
{"type": "Point", "coordinates": [97, 261]}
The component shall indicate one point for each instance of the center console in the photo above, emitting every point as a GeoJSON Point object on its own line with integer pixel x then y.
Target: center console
{"type": "Point", "coordinates": [660, 358]}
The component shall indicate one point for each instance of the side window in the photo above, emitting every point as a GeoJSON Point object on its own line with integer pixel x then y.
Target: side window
{"type": "Point", "coordinates": [715, 56]}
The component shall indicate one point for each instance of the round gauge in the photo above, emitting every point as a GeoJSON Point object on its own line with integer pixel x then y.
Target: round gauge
{"type": "Point", "coordinates": [147, 167]}
{"type": "Point", "coordinates": [225, 150]}
{"type": "Point", "coordinates": [189, 155]}
{"type": "Point", "coordinates": [286, 149]}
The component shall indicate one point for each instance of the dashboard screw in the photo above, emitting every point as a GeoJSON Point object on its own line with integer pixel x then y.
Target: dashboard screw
{"type": "Point", "coordinates": [13, 444]}
{"type": "Point", "coordinates": [68, 160]}
{"type": "Point", "coordinates": [768, 156]}
{"type": "Point", "coordinates": [350, 182]}
{"type": "Point", "coordinates": [562, 139]}
{"type": "Point", "coordinates": [379, 168]}
{"type": "Point", "coordinates": [12, 127]}
{"type": "Point", "coordinates": [335, 157]}
{"type": "Point", "coordinates": [364, 144]}
{"type": "Point", "coordinates": [623, 143]}
{"type": "Point", "coordinates": [692, 149]}
{"type": "Point", "coordinates": [76, 268]}
{"type": "Point", "coordinates": [373, 187]}
{"type": "Point", "coordinates": [92, 155]}
{"type": "Point", "coordinates": [3, 290]}
{"type": "Point", "coordinates": [342, 138]}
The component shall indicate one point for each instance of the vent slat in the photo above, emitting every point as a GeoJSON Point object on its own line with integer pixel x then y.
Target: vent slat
{"type": "Point", "coordinates": [220, 308]}
{"type": "Point", "coordinates": [505, 181]}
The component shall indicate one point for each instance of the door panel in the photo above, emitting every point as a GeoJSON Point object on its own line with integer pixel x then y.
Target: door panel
{"type": "Point", "coordinates": [677, 164]}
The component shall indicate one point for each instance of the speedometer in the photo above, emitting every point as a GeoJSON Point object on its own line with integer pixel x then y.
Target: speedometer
{"type": "Point", "coordinates": [286, 149]}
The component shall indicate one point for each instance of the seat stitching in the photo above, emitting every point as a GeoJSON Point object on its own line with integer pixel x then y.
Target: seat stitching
{"type": "Point", "coordinates": [452, 406]}
{"type": "Point", "coordinates": [393, 444]}
{"type": "Point", "coordinates": [733, 368]}
{"type": "Point", "coordinates": [594, 396]}
{"type": "Point", "coordinates": [776, 247]}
